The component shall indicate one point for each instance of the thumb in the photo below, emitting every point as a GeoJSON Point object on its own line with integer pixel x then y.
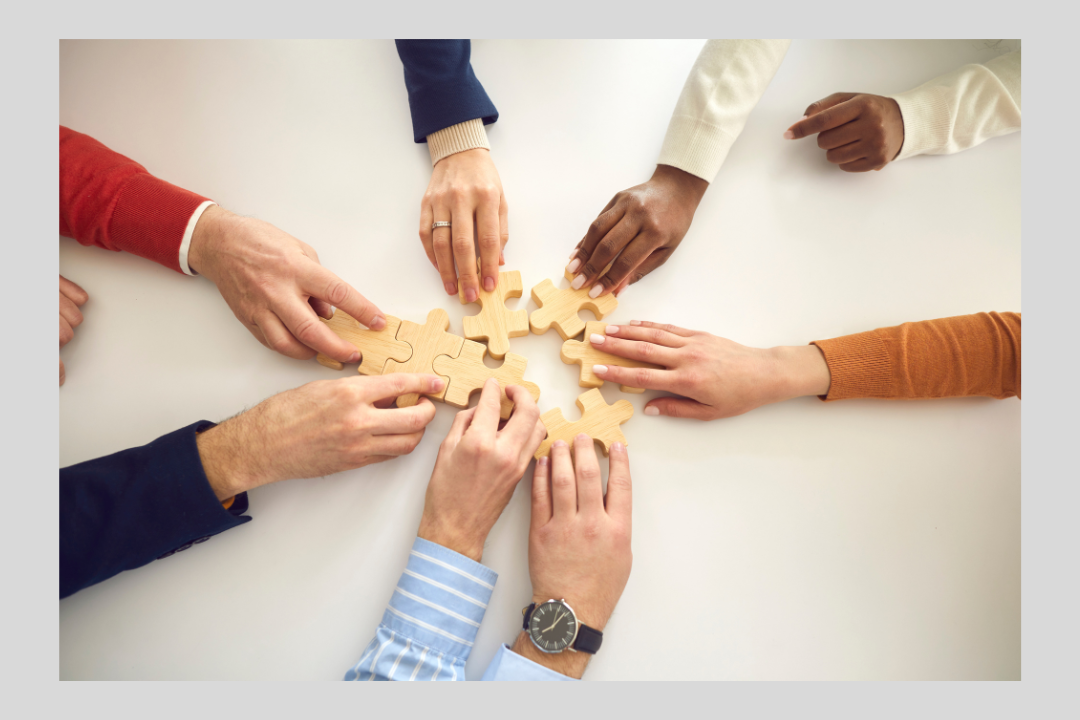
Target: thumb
{"type": "Point", "coordinates": [680, 408]}
{"type": "Point", "coordinates": [825, 103]}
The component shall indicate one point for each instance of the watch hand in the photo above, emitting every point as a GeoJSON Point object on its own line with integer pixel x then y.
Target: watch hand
{"type": "Point", "coordinates": [557, 619]}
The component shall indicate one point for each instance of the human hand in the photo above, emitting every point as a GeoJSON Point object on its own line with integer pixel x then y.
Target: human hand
{"type": "Point", "coordinates": [478, 468]}
{"type": "Point", "coordinates": [317, 429]}
{"type": "Point", "coordinates": [717, 378]}
{"type": "Point", "coordinates": [638, 230]}
{"type": "Point", "coordinates": [579, 540]}
{"type": "Point", "coordinates": [275, 285]}
{"type": "Point", "coordinates": [859, 132]}
{"type": "Point", "coordinates": [72, 297]}
{"type": "Point", "coordinates": [465, 190]}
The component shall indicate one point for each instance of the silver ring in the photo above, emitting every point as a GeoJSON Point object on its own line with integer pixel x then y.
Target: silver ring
{"type": "Point", "coordinates": [440, 223]}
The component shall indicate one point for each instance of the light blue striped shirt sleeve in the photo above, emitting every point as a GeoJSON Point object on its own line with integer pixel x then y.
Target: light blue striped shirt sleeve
{"type": "Point", "coordinates": [431, 621]}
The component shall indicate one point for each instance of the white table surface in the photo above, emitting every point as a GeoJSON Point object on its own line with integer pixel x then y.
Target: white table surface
{"type": "Point", "coordinates": [862, 539]}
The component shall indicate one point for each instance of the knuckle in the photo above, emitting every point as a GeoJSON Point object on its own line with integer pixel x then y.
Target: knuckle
{"type": "Point", "coordinates": [591, 530]}
{"type": "Point", "coordinates": [595, 227]}
{"type": "Point", "coordinates": [657, 334]}
{"type": "Point", "coordinates": [281, 345]}
{"type": "Point", "coordinates": [640, 377]}
{"type": "Point", "coordinates": [66, 335]}
{"type": "Point", "coordinates": [337, 292]}
{"type": "Point", "coordinates": [462, 244]}
{"type": "Point", "coordinates": [489, 240]}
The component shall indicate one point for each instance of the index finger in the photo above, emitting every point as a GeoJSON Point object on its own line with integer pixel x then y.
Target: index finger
{"type": "Point", "coordinates": [519, 428]}
{"type": "Point", "coordinates": [489, 237]}
{"type": "Point", "coordinates": [824, 120]}
{"type": "Point", "coordinates": [486, 420]}
{"type": "Point", "coordinates": [328, 287]}
{"type": "Point", "coordinates": [300, 319]}
{"type": "Point", "coordinates": [464, 248]}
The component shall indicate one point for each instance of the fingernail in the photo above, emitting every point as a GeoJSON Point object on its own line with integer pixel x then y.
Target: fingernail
{"type": "Point", "coordinates": [788, 135]}
{"type": "Point", "coordinates": [470, 295]}
{"type": "Point", "coordinates": [578, 282]}
{"type": "Point", "coordinates": [542, 462]}
{"type": "Point", "coordinates": [355, 357]}
{"type": "Point", "coordinates": [582, 437]}
{"type": "Point", "coordinates": [489, 284]}
{"type": "Point", "coordinates": [652, 410]}
{"type": "Point", "coordinates": [377, 323]}
{"type": "Point", "coordinates": [803, 117]}
{"type": "Point", "coordinates": [611, 329]}
{"type": "Point", "coordinates": [559, 443]}
{"type": "Point", "coordinates": [597, 289]}
{"type": "Point", "coordinates": [450, 289]}
{"type": "Point", "coordinates": [618, 446]}
{"type": "Point", "coordinates": [574, 265]}
{"type": "Point", "coordinates": [596, 339]}
{"type": "Point", "coordinates": [437, 384]}
{"type": "Point", "coordinates": [599, 369]}
{"type": "Point", "coordinates": [635, 322]}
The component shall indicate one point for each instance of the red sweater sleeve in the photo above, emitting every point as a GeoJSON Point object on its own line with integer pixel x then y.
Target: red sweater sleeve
{"type": "Point", "coordinates": [111, 201]}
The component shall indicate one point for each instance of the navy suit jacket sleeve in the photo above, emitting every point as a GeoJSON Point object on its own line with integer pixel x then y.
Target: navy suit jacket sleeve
{"type": "Point", "coordinates": [443, 90]}
{"type": "Point", "coordinates": [127, 509]}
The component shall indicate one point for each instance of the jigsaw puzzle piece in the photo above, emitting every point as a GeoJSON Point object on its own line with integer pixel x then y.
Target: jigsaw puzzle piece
{"type": "Point", "coordinates": [428, 341]}
{"type": "Point", "coordinates": [599, 421]}
{"type": "Point", "coordinates": [375, 346]}
{"type": "Point", "coordinates": [560, 308]}
{"type": "Point", "coordinates": [468, 373]}
{"type": "Point", "coordinates": [495, 324]}
{"type": "Point", "coordinates": [584, 354]}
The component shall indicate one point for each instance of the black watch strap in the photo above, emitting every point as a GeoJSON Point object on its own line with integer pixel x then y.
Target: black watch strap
{"type": "Point", "coordinates": [526, 614]}
{"type": "Point", "coordinates": [588, 639]}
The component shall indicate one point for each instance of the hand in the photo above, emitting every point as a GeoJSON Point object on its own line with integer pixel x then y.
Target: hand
{"type": "Point", "coordinates": [317, 429]}
{"type": "Point", "coordinates": [275, 285]}
{"type": "Point", "coordinates": [72, 297]}
{"type": "Point", "coordinates": [579, 540]}
{"type": "Point", "coordinates": [859, 132]}
{"type": "Point", "coordinates": [717, 378]}
{"type": "Point", "coordinates": [638, 230]}
{"type": "Point", "coordinates": [478, 468]}
{"type": "Point", "coordinates": [465, 189]}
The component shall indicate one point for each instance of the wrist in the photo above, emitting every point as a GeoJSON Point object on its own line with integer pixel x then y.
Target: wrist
{"type": "Point", "coordinates": [803, 371]}
{"type": "Point", "coordinates": [571, 664]}
{"type": "Point", "coordinates": [229, 462]}
{"type": "Point", "coordinates": [203, 238]}
{"type": "Point", "coordinates": [689, 188]}
{"type": "Point", "coordinates": [463, 543]}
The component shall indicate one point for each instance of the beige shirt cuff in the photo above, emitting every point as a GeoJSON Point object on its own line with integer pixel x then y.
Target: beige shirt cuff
{"type": "Point", "coordinates": [457, 138]}
{"type": "Point", "coordinates": [927, 120]}
{"type": "Point", "coordinates": [695, 146]}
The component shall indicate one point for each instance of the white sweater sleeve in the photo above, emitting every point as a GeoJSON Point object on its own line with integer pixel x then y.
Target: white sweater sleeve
{"type": "Point", "coordinates": [726, 82]}
{"type": "Point", "coordinates": [962, 109]}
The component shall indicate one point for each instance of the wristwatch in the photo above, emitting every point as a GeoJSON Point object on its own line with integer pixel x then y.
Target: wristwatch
{"type": "Point", "coordinates": [553, 627]}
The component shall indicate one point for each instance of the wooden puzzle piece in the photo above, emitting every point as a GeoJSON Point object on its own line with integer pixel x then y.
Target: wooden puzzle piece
{"type": "Point", "coordinates": [428, 341]}
{"type": "Point", "coordinates": [467, 373]}
{"type": "Point", "coordinates": [495, 324]}
{"type": "Point", "coordinates": [560, 308]}
{"type": "Point", "coordinates": [584, 354]}
{"type": "Point", "coordinates": [375, 346]}
{"type": "Point", "coordinates": [599, 421]}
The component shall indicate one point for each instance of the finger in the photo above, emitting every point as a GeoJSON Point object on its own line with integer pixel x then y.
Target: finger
{"type": "Point", "coordinates": [650, 263]}
{"type": "Point", "coordinates": [396, 445]}
{"type": "Point", "coordinates": [563, 482]}
{"type": "Point", "coordinates": [618, 500]}
{"type": "Point", "coordinates": [489, 238]}
{"type": "Point", "coordinates": [839, 136]}
{"type": "Point", "coordinates": [395, 385]}
{"type": "Point", "coordinates": [305, 326]}
{"type": "Point", "coordinates": [328, 287]}
{"type": "Point", "coordinates": [673, 329]}
{"type": "Point", "coordinates": [590, 488]}
{"type": "Point", "coordinates": [824, 120]}
{"type": "Point", "coordinates": [646, 378]}
{"type": "Point", "coordinates": [636, 350]}
{"type": "Point", "coordinates": [486, 420]}
{"type": "Point", "coordinates": [522, 423]}
{"type": "Point", "coordinates": [541, 491]}
{"type": "Point", "coordinates": [323, 310]}
{"type": "Point", "coordinates": [825, 103]}
{"type": "Point", "coordinates": [680, 408]}
{"type": "Point", "coordinates": [605, 252]}
{"type": "Point", "coordinates": [62, 374]}
{"type": "Point", "coordinates": [504, 227]}
{"type": "Point", "coordinates": [632, 256]}
{"type": "Point", "coordinates": [404, 421]}
{"type": "Point", "coordinates": [462, 421]}
{"type": "Point", "coordinates": [465, 251]}
{"type": "Point", "coordinates": [73, 291]}
{"type": "Point", "coordinates": [70, 311]}
{"type": "Point", "coordinates": [444, 253]}
{"type": "Point", "coordinates": [651, 333]}
{"type": "Point", "coordinates": [427, 217]}
{"type": "Point", "coordinates": [66, 332]}
{"type": "Point", "coordinates": [601, 226]}
{"type": "Point", "coordinates": [280, 340]}
{"type": "Point", "coordinates": [862, 165]}
{"type": "Point", "coordinates": [848, 153]}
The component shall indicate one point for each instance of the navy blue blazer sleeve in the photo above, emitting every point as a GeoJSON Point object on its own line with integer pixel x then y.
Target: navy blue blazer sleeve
{"type": "Point", "coordinates": [125, 510]}
{"type": "Point", "coordinates": [443, 90]}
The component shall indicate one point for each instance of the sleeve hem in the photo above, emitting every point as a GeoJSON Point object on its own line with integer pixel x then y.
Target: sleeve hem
{"type": "Point", "coordinates": [927, 121]}
{"type": "Point", "coordinates": [696, 147]}
{"type": "Point", "coordinates": [508, 665]}
{"type": "Point", "coordinates": [468, 135]}
{"type": "Point", "coordinates": [189, 231]}
{"type": "Point", "coordinates": [859, 365]}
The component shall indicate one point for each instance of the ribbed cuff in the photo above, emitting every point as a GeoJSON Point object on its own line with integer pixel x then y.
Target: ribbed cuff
{"type": "Point", "coordinates": [695, 147]}
{"type": "Point", "coordinates": [927, 120]}
{"type": "Point", "coordinates": [457, 138]}
{"type": "Point", "coordinates": [859, 365]}
{"type": "Point", "coordinates": [151, 218]}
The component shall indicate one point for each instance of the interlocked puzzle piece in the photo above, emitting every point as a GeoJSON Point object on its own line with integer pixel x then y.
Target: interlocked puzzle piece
{"type": "Point", "coordinates": [599, 421]}
{"type": "Point", "coordinates": [495, 324]}
{"type": "Point", "coordinates": [467, 373]}
{"type": "Point", "coordinates": [560, 308]}
{"type": "Point", "coordinates": [584, 354]}
{"type": "Point", "coordinates": [428, 341]}
{"type": "Point", "coordinates": [375, 346]}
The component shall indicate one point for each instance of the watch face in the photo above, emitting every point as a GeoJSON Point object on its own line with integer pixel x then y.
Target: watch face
{"type": "Point", "coordinates": [553, 626]}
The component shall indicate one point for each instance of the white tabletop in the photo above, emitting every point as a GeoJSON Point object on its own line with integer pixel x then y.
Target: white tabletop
{"type": "Point", "coordinates": [861, 539]}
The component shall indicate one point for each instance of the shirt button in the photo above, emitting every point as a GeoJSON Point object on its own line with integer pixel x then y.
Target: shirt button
{"type": "Point", "coordinates": [185, 546]}
{"type": "Point", "coordinates": [201, 540]}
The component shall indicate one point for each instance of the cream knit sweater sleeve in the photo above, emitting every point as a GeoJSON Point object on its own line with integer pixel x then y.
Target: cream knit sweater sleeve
{"type": "Point", "coordinates": [962, 109]}
{"type": "Point", "coordinates": [726, 82]}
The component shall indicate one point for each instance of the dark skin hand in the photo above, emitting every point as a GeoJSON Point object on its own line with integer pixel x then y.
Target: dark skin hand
{"type": "Point", "coordinates": [637, 232]}
{"type": "Point", "coordinates": [859, 132]}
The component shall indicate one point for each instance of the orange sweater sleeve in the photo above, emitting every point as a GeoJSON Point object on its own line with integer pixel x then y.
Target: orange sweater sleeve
{"type": "Point", "coordinates": [950, 357]}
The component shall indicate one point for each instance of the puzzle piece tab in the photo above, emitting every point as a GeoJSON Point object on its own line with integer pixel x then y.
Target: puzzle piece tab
{"type": "Point", "coordinates": [468, 373]}
{"type": "Point", "coordinates": [560, 308]}
{"type": "Point", "coordinates": [375, 346]}
{"type": "Point", "coordinates": [495, 324]}
{"type": "Point", "coordinates": [428, 341]}
{"type": "Point", "coordinates": [584, 354]}
{"type": "Point", "coordinates": [599, 421]}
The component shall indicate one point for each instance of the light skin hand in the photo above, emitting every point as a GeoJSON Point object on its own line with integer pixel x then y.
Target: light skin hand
{"type": "Point", "coordinates": [275, 285]}
{"type": "Point", "coordinates": [717, 378]}
{"type": "Point", "coordinates": [478, 468]}
{"type": "Point", "coordinates": [579, 540]}
{"type": "Point", "coordinates": [466, 191]}
{"type": "Point", "coordinates": [637, 231]}
{"type": "Point", "coordinates": [317, 429]}
{"type": "Point", "coordinates": [72, 297]}
{"type": "Point", "coordinates": [859, 132]}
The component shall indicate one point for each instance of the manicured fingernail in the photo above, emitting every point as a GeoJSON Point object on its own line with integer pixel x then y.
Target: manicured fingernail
{"type": "Point", "coordinates": [611, 329]}
{"type": "Point", "coordinates": [470, 295]}
{"type": "Point", "coordinates": [652, 410]}
{"type": "Point", "coordinates": [542, 462]}
{"type": "Point", "coordinates": [578, 282]}
{"type": "Point", "coordinates": [355, 357]}
{"type": "Point", "coordinates": [489, 284]}
{"type": "Point", "coordinates": [377, 323]}
{"type": "Point", "coordinates": [803, 117]}
{"type": "Point", "coordinates": [596, 339]}
{"type": "Point", "coordinates": [597, 289]}
{"type": "Point", "coordinates": [574, 265]}
{"type": "Point", "coordinates": [559, 443]}
{"type": "Point", "coordinates": [573, 253]}
{"type": "Point", "coordinates": [599, 369]}
{"type": "Point", "coordinates": [450, 289]}
{"type": "Point", "coordinates": [618, 446]}
{"type": "Point", "coordinates": [788, 135]}
{"type": "Point", "coordinates": [635, 322]}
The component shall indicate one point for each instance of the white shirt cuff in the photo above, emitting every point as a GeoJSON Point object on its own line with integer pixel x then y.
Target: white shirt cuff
{"type": "Point", "coordinates": [185, 244]}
